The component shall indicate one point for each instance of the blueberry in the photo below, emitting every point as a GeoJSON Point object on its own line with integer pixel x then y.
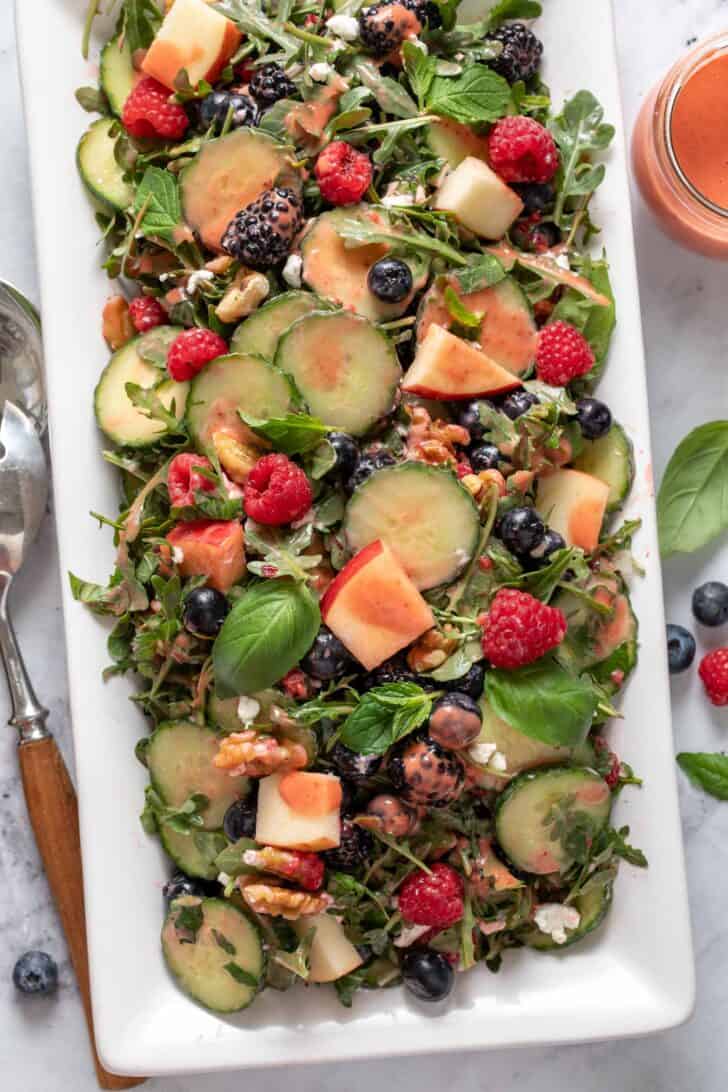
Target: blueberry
{"type": "Point", "coordinates": [352, 765]}
{"type": "Point", "coordinates": [484, 457]}
{"type": "Point", "coordinates": [550, 543]}
{"type": "Point", "coordinates": [327, 658]}
{"type": "Point", "coordinates": [354, 849]}
{"type": "Point", "coordinates": [390, 280]}
{"type": "Point", "coordinates": [240, 818]}
{"type": "Point", "coordinates": [536, 237]}
{"type": "Point", "coordinates": [521, 530]}
{"type": "Point", "coordinates": [215, 106]}
{"type": "Point", "coordinates": [427, 974]}
{"type": "Point", "coordinates": [710, 603]}
{"type": "Point", "coordinates": [516, 404]}
{"type": "Point", "coordinates": [680, 648]}
{"type": "Point", "coordinates": [366, 465]}
{"type": "Point", "coordinates": [471, 683]}
{"type": "Point", "coordinates": [594, 418]}
{"type": "Point", "coordinates": [455, 720]}
{"type": "Point", "coordinates": [180, 885]}
{"type": "Point", "coordinates": [536, 196]}
{"type": "Point", "coordinates": [346, 451]}
{"type": "Point", "coordinates": [205, 610]}
{"type": "Point", "coordinates": [467, 415]}
{"type": "Point", "coordinates": [35, 972]}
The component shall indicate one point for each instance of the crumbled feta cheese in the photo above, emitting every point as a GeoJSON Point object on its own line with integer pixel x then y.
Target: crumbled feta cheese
{"type": "Point", "coordinates": [178, 555]}
{"type": "Point", "coordinates": [396, 200]}
{"type": "Point", "coordinates": [562, 260]}
{"type": "Point", "coordinates": [248, 709]}
{"type": "Point", "coordinates": [223, 878]}
{"type": "Point", "coordinates": [409, 934]}
{"type": "Point", "coordinates": [498, 762]}
{"type": "Point", "coordinates": [320, 72]}
{"type": "Point", "coordinates": [462, 556]}
{"type": "Point", "coordinates": [482, 752]}
{"type": "Point", "coordinates": [196, 279]}
{"type": "Point", "coordinates": [164, 276]}
{"type": "Point", "coordinates": [250, 857]}
{"type": "Point", "coordinates": [292, 270]}
{"type": "Point", "coordinates": [345, 26]}
{"type": "Point", "coordinates": [554, 919]}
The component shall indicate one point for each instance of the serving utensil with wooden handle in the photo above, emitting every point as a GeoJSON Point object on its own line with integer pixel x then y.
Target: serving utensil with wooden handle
{"type": "Point", "coordinates": [49, 794]}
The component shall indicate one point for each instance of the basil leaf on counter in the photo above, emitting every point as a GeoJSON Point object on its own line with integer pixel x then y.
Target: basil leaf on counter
{"type": "Point", "coordinates": [385, 715]}
{"type": "Point", "coordinates": [692, 504]}
{"type": "Point", "coordinates": [708, 771]}
{"type": "Point", "coordinates": [480, 94]}
{"type": "Point", "coordinates": [543, 701]}
{"type": "Point", "coordinates": [270, 628]}
{"type": "Point", "coordinates": [293, 434]}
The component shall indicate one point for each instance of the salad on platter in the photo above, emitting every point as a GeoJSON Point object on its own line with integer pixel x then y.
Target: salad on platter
{"type": "Point", "coordinates": [371, 575]}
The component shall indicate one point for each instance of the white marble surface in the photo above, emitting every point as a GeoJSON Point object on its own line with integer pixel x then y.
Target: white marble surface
{"type": "Point", "coordinates": [43, 1044]}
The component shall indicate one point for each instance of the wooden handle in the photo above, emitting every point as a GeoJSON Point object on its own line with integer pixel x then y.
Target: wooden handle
{"type": "Point", "coordinates": [53, 811]}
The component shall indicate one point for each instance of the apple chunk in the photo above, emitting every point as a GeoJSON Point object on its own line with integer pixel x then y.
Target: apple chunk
{"type": "Point", "coordinates": [374, 608]}
{"type": "Point", "coordinates": [447, 367]}
{"type": "Point", "coordinates": [332, 953]}
{"type": "Point", "coordinates": [479, 199]}
{"type": "Point", "coordinates": [194, 37]}
{"type": "Point", "coordinates": [214, 548]}
{"type": "Point", "coordinates": [573, 503]}
{"type": "Point", "coordinates": [299, 810]}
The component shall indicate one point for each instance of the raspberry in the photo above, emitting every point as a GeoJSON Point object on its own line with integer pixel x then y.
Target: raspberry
{"type": "Point", "coordinates": [519, 628]}
{"type": "Point", "coordinates": [435, 900]}
{"type": "Point", "coordinates": [562, 354]}
{"type": "Point", "coordinates": [191, 350]}
{"type": "Point", "coordinates": [343, 173]}
{"type": "Point", "coordinates": [145, 313]}
{"type": "Point", "coordinates": [277, 491]}
{"type": "Point", "coordinates": [713, 671]}
{"type": "Point", "coordinates": [521, 150]}
{"type": "Point", "coordinates": [308, 870]}
{"type": "Point", "coordinates": [148, 112]}
{"type": "Point", "coordinates": [296, 685]}
{"type": "Point", "coordinates": [183, 478]}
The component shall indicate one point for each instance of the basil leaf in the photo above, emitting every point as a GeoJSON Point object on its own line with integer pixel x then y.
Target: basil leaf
{"type": "Point", "coordinates": [543, 701]}
{"type": "Point", "coordinates": [390, 96]}
{"type": "Point", "coordinates": [293, 434]}
{"type": "Point", "coordinates": [158, 196]}
{"type": "Point", "coordinates": [480, 94]}
{"type": "Point", "coordinates": [692, 504]}
{"type": "Point", "coordinates": [708, 771]}
{"type": "Point", "coordinates": [245, 978]}
{"type": "Point", "coordinates": [485, 270]}
{"type": "Point", "coordinates": [267, 632]}
{"type": "Point", "coordinates": [512, 9]}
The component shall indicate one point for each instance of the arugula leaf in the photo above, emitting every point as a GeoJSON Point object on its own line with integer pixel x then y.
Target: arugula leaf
{"type": "Point", "coordinates": [512, 9]}
{"type": "Point", "coordinates": [595, 321]}
{"type": "Point", "coordinates": [158, 197]}
{"type": "Point", "coordinates": [364, 233]}
{"type": "Point", "coordinates": [579, 131]}
{"type": "Point", "coordinates": [141, 19]}
{"type": "Point", "coordinates": [188, 921]}
{"type": "Point", "coordinates": [269, 629]}
{"type": "Point", "coordinates": [543, 701]}
{"type": "Point", "coordinates": [385, 715]}
{"type": "Point", "coordinates": [708, 771]}
{"type": "Point", "coordinates": [482, 272]}
{"type": "Point", "coordinates": [146, 400]}
{"type": "Point", "coordinates": [245, 978]}
{"type": "Point", "coordinates": [692, 504]}
{"type": "Point", "coordinates": [348, 985]}
{"type": "Point", "coordinates": [480, 94]}
{"type": "Point", "coordinates": [293, 434]}
{"type": "Point", "coordinates": [543, 582]}
{"type": "Point", "coordinates": [183, 819]}
{"type": "Point", "coordinates": [419, 68]}
{"type": "Point", "coordinates": [222, 942]}
{"type": "Point", "coordinates": [390, 96]}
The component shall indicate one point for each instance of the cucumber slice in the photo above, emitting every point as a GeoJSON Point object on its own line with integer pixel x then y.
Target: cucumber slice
{"type": "Point", "coordinates": [203, 968]}
{"type": "Point", "coordinates": [520, 752]}
{"type": "Point", "coordinates": [345, 369]}
{"type": "Point", "coordinates": [116, 74]}
{"type": "Point", "coordinates": [593, 907]}
{"type": "Point", "coordinates": [524, 821]}
{"type": "Point", "coordinates": [610, 459]}
{"type": "Point", "coordinates": [233, 383]}
{"type": "Point", "coordinates": [259, 333]}
{"type": "Point", "coordinates": [116, 416]}
{"type": "Point", "coordinates": [179, 759]}
{"type": "Point", "coordinates": [423, 514]}
{"type": "Point", "coordinates": [228, 174]}
{"type": "Point", "coordinates": [100, 173]}
{"type": "Point", "coordinates": [195, 852]}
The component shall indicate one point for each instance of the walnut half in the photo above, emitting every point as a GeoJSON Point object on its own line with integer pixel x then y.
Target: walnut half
{"type": "Point", "coordinates": [282, 902]}
{"type": "Point", "coordinates": [256, 755]}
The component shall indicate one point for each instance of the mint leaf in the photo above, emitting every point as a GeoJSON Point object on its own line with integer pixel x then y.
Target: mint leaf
{"type": "Point", "coordinates": [158, 197]}
{"type": "Point", "coordinates": [692, 503]}
{"type": "Point", "coordinates": [512, 9]}
{"type": "Point", "coordinates": [708, 771]}
{"type": "Point", "coordinates": [419, 68]}
{"type": "Point", "coordinates": [245, 978]}
{"type": "Point", "coordinates": [183, 819]}
{"type": "Point", "coordinates": [543, 701]}
{"type": "Point", "coordinates": [293, 434]}
{"type": "Point", "coordinates": [478, 95]}
{"type": "Point", "coordinates": [385, 715]}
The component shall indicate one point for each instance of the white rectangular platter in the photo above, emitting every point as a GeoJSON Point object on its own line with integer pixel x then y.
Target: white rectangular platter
{"type": "Point", "coordinates": [635, 976]}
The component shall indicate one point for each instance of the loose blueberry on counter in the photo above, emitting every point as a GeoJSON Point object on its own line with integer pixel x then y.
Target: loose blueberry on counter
{"type": "Point", "coordinates": [710, 603]}
{"type": "Point", "coordinates": [390, 280]}
{"type": "Point", "coordinates": [521, 530]}
{"type": "Point", "coordinates": [215, 106]}
{"type": "Point", "coordinates": [680, 648]}
{"type": "Point", "coordinates": [35, 972]}
{"type": "Point", "coordinates": [240, 818]}
{"type": "Point", "coordinates": [517, 403]}
{"type": "Point", "coordinates": [366, 465]}
{"type": "Point", "coordinates": [594, 417]}
{"type": "Point", "coordinates": [427, 974]}
{"type": "Point", "coordinates": [467, 415]}
{"type": "Point", "coordinates": [346, 451]}
{"type": "Point", "coordinates": [354, 849]}
{"type": "Point", "coordinates": [455, 720]}
{"type": "Point", "coordinates": [327, 658]}
{"type": "Point", "coordinates": [205, 610]}
{"type": "Point", "coordinates": [181, 884]}
{"type": "Point", "coordinates": [352, 765]}
{"type": "Point", "coordinates": [484, 457]}
{"type": "Point", "coordinates": [471, 683]}
{"type": "Point", "coordinates": [536, 196]}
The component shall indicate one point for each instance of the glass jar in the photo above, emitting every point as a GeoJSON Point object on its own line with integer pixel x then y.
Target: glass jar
{"type": "Point", "coordinates": [671, 159]}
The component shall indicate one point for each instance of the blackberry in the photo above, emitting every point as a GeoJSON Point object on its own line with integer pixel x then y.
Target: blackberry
{"type": "Point", "coordinates": [521, 54]}
{"type": "Point", "coordinates": [594, 418]}
{"type": "Point", "coordinates": [269, 84]}
{"type": "Point", "coordinates": [536, 196]}
{"type": "Point", "coordinates": [261, 234]}
{"type": "Point", "coordinates": [327, 658]}
{"type": "Point", "coordinates": [535, 237]}
{"type": "Point", "coordinates": [354, 849]}
{"type": "Point", "coordinates": [213, 110]}
{"type": "Point", "coordinates": [425, 774]}
{"type": "Point", "coordinates": [390, 280]}
{"type": "Point", "coordinates": [366, 464]}
{"type": "Point", "coordinates": [516, 404]}
{"type": "Point", "coordinates": [426, 11]}
{"type": "Point", "coordinates": [352, 765]}
{"type": "Point", "coordinates": [382, 27]}
{"type": "Point", "coordinates": [393, 671]}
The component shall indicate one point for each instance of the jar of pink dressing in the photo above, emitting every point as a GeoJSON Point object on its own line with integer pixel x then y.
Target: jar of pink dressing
{"type": "Point", "coordinates": [680, 149]}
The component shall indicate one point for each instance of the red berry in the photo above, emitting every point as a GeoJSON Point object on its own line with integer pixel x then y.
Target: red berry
{"type": "Point", "coordinates": [191, 350]}
{"type": "Point", "coordinates": [308, 869]}
{"type": "Point", "coordinates": [183, 478]}
{"type": "Point", "coordinates": [713, 671]}
{"type": "Point", "coordinates": [562, 354]}
{"type": "Point", "coordinates": [343, 173]}
{"type": "Point", "coordinates": [148, 112]}
{"type": "Point", "coordinates": [435, 900]}
{"type": "Point", "coordinates": [519, 628]}
{"type": "Point", "coordinates": [521, 150]}
{"type": "Point", "coordinates": [277, 491]}
{"type": "Point", "coordinates": [145, 313]}
{"type": "Point", "coordinates": [463, 468]}
{"type": "Point", "coordinates": [295, 683]}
